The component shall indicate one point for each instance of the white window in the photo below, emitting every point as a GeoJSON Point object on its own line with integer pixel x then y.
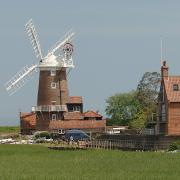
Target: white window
{"type": "Point", "coordinates": [53, 116]}
{"type": "Point", "coordinates": [76, 108]}
{"type": "Point", "coordinates": [53, 85]}
{"type": "Point", "coordinates": [53, 72]}
{"type": "Point", "coordinates": [61, 131]}
{"type": "Point", "coordinates": [53, 102]}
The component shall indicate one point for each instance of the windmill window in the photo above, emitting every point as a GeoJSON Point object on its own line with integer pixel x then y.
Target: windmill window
{"type": "Point", "coordinates": [53, 85]}
{"type": "Point", "coordinates": [53, 116]}
{"type": "Point", "coordinates": [175, 87]}
{"type": "Point", "coordinates": [53, 72]}
{"type": "Point", "coordinates": [53, 102]}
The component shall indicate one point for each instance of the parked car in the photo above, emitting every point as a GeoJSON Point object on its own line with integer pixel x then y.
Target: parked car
{"type": "Point", "coordinates": [75, 135]}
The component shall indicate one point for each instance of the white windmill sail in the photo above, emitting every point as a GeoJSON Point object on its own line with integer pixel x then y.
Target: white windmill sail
{"type": "Point", "coordinates": [66, 60]}
{"type": "Point", "coordinates": [31, 31]}
{"type": "Point", "coordinates": [25, 73]}
{"type": "Point", "coordinates": [20, 78]}
{"type": "Point", "coordinates": [59, 44]}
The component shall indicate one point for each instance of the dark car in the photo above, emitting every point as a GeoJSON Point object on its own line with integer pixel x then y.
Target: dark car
{"type": "Point", "coordinates": [76, 135]}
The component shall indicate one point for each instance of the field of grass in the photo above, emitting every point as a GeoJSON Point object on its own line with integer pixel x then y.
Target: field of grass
{"type": "Point", "coordinates": [9, 129]}
{"type": "Point", "coordinates": [37, 162]}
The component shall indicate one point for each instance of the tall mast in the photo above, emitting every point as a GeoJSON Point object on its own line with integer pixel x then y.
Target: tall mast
{"type": "Point", "coordinates": [161, 46]}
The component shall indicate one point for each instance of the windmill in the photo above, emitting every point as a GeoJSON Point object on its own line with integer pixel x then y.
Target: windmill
{"type": "Point", "coordinates": [53, 90]}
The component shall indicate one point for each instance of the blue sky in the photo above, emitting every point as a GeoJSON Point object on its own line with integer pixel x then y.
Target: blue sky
{"type": "Point", "coordinates": [115, 43]}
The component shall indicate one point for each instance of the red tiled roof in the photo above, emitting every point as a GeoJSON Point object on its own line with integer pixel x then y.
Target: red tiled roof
{"type": "Point", "coordinates": [172, 96]}
{"type": "Point", "coordinates": [75, 100]}
{"type": "Point", "coordinates": [91, 114]}
{"type": "Point", "coordinates": [73, 115]}
{"type": "Point", "coordinates": [28, 120]}
{"type": "Point", "coordinates": [77, 124]}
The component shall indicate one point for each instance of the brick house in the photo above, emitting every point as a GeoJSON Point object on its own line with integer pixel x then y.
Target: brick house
{"type": "Point", "coordinates": [74, 118]}
{"type": "Point", "coordinates": [27, 122]}
{"type": "Point", "coordinates": [168, 109]}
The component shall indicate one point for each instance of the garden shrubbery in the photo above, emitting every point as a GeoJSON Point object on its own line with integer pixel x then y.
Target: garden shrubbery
{"type": "Point", "coordinates": [174, 146]}
{"type": "Point", "coordinates": [42, 134]}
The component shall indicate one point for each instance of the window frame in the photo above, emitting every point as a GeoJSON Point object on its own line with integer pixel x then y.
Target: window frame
{"type": "Point", "coordinates": [53, 72]}
{"type": "Point", "coordinates": [77, 108]}
{"type": "Point", "coordinates": [175, 87]}
{"type": "Point", "coordinates": [53, 103]}
{"type": "Point", "coordinates": [53, 117]}
{"type": "Point", "coordinates": [53, 85]}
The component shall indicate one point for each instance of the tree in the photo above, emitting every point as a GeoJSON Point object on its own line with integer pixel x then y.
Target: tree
{"type": "Point", "coordinates": [122, 108]}
{"type": "Point", "coordinates": [135, 107]}
{"type": "Point", "coordinates": [148, 89]}
{"type": "Point", "coordinates": [147, 92]}
{"type": "Point", "coordinates": [139, 122]}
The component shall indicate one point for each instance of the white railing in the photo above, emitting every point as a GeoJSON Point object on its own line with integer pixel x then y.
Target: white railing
{"type": "Point", "coordinates": [49, 108]}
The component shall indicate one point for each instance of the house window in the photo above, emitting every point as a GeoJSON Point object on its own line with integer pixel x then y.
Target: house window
{"type": "Point", "coordinates": [76, 108]}
{"type": "Point", "coordinates": [163, 112]}
{"type": "Point", "coordinates": [53, 72]}
{"type": "Point", "coordinates": [61, 131]}
{"type": "Point", "coordinates": [70, 108]}
{"type": "Point", "coordinates": [163, 109]}
{"type": "Point", "coordinates": [53, 116]}
{"type": "Point", "coordinates": [53, 85]}
{"type": "Point", "coordinates": [175, 87]}
{"type": "Point", "coordinates": [163, 94]}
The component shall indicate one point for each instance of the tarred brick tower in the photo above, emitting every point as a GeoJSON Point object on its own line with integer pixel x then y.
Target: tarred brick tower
{"type": "Point", "coordinates": [52, 97]}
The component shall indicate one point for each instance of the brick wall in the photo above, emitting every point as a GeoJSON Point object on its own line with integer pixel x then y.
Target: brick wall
{"type": "Point", "coordinates": [174, 119]}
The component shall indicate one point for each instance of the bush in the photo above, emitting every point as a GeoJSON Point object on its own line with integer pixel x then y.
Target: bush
{"type": "Point", "coordinates": [174, 146]}
{"type": "Point", "coordinates": [41, 134]}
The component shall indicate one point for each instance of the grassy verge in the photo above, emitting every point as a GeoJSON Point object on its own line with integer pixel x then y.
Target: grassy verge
{"type": "Point", "coordinates": [38, 162]}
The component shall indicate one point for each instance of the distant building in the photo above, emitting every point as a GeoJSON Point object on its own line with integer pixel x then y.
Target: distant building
{"type": "Point", "coordinates": [74, 118]}
{"type": "Point", "coordinates": [168, 111]}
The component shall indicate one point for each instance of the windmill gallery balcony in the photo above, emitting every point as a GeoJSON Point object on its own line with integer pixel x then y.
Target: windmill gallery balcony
{"type": "Point", "coordinates": [49, 108]}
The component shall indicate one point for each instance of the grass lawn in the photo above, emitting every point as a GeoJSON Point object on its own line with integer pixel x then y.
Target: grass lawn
{"type": "Point", "coordinates": [37, 162]}
{"type": "Point", "coordinates": [9, 129]}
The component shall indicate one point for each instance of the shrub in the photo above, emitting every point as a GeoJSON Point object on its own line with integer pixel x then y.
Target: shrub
{"type": "Point", "coordinates": [41, 134]}
{"type": "Point", "coordinates": [174, 146]}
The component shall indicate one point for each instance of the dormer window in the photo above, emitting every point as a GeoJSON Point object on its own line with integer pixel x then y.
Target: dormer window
{"type": "Point", "coordinates": [175, 87]}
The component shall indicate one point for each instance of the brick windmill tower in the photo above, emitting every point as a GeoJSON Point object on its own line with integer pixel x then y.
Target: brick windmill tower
{"type": "Point", "coordinates": [53, 69]}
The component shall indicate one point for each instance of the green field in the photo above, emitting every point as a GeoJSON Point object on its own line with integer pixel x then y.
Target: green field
{"type": "Point", "coordinates": [9, 129]}
{"type": "Point", "coordinates": [38, 162]}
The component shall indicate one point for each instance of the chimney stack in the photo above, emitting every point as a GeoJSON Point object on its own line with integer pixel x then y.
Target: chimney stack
{"type": "Point", "coordinates": [164, 70]}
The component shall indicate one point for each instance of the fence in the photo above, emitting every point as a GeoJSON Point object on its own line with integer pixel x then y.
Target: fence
{"type": "Point", "coordinates": [135, 142]}
{"type": "Point", "coordinates": [127, 145]}
{"type": "Point", "coordinates": [123, 142]}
